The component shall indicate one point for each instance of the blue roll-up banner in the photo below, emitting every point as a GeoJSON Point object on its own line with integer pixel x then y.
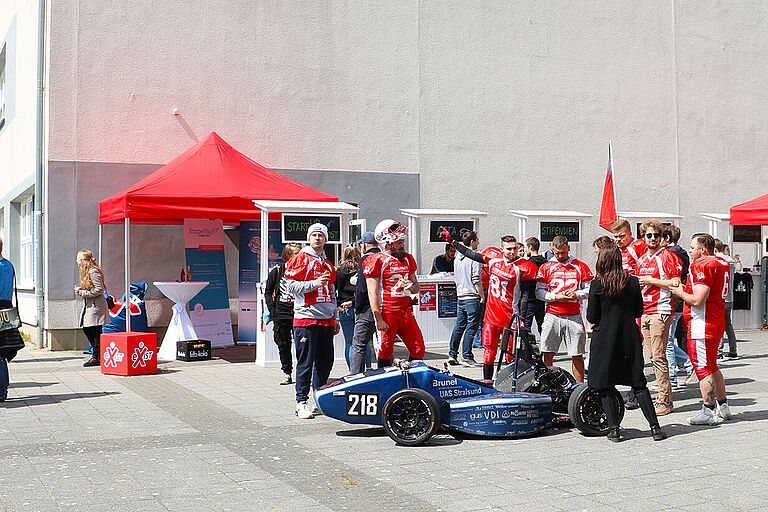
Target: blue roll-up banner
{"type": "Point", "coordinates": [209, 309]}
{"type": "Point", "coordinates": [250, 252]}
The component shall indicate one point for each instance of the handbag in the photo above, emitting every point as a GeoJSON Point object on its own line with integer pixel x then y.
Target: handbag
{"type": "Point", "coordinates": [110, 300]}
{"type": "Point", "coordinates": [9, 317]}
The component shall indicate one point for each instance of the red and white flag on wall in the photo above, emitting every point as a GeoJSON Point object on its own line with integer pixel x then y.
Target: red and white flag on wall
{"type": "Point", "coordinates": [608, 206]}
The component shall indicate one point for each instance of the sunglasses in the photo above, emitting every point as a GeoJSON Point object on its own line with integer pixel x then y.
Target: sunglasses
{"type": "Point", "coordinates": [653, 235]}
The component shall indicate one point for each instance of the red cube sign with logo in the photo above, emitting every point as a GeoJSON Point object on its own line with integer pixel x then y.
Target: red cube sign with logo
{"type": "Point", "coordinates": [128, 353]}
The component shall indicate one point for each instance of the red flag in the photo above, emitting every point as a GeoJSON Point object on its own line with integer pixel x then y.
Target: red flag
{"type": "Point", "coordinates": [608, 206]}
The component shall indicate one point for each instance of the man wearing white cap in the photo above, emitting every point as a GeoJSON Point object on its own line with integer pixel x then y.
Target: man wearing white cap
{"type": "Point", "coordinates": [310, 276]}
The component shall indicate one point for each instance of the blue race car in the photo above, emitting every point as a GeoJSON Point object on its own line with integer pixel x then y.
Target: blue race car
{"type": "Point", "coordinates": [412, 400]}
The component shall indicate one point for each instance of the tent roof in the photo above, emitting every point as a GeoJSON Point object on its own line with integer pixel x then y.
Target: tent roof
{"type": "Point", "coordinates": [211, 180]}
{"type": "Point", "coordinates": [754, 212]}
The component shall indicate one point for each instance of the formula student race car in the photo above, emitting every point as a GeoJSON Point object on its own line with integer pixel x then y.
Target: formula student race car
{"type": "Point", "coordinates": [413, 401]}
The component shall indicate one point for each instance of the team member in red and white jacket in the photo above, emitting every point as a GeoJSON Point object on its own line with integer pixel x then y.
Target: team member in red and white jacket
{"type": "Point", "coordinates": [631, 250]}
{"type": "Point", "coordinates": [391, 278]}
{"type": "Point", "coordinates": [310, 277]}
{"type": "Point", "coordinates": [563, 283]}
{"type": "Point", "coordinates": [507, 295]}
{"type": "Point", "coordinates": [658, 269]}
{"type": "Point", "coordinates": [704, 310]}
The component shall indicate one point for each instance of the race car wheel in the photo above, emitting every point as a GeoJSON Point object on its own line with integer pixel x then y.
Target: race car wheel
{"type": "Point", "coordinates": [411, 416]}
{"type": "Point", "coordinates": [586, 410]}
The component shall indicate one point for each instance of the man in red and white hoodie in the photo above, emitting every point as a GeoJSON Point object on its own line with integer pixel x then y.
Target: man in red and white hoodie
{"type": "Point", "coordinates": [310, 277]}
{"type": "Point", "coordinates": [704, 310]}
{"type": "Point", "coordinates": [390, 276]}
{"type": "Point", "coordinates": [631, 250]}
{"type": "Point", "coordinates": [658, 269]}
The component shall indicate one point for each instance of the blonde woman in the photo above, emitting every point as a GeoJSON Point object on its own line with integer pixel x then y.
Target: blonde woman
{"type": "Point", "coordinates": [346, 284]}
{"type": "Point", "coordinates": [95, 311]}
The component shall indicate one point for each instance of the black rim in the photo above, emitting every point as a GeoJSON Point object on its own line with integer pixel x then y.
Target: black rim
{"type": "Point", "coordinates": [592, 412]}
{"type": "Point", "coordinates": [409, 418]}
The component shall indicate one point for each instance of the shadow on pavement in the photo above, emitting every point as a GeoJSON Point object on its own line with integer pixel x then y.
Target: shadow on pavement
{"type": "Point", "coordinates": [31, 384]}
{"type": "Point", "coordinates": [32, 400]}
{"type": "Point", "coordinates": [50, 359]}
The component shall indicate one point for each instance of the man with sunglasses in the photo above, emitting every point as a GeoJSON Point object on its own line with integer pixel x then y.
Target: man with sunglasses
{"type": "Point", "coordinates": [658, 270]}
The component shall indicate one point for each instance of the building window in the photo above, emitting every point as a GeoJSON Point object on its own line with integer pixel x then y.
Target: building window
{"type": "Point", "coordinates": [27, 242]}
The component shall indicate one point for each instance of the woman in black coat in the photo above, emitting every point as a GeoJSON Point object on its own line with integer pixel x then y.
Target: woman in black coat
{"type": "Point", "coordinates": [616, 351]}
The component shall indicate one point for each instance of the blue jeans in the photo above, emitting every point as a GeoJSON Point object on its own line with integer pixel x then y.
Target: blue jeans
{"type": "Point", "coordinates": [478, 342]}
{"type": "Point", "coordinates": [347, 321]}
{"type": "Point", "coordinates": [675, 355]}
{"type": "Point", "coordinates": [467, 320]}
{"type": "Point", "coordinates": [4, 380]}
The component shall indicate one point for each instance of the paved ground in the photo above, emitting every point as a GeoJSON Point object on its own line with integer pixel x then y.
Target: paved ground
{"type": "Point", "coordinates": [221, 435]}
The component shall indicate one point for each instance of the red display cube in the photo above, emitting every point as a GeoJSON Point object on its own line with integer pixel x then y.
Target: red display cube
{"type": "Point", "coordinates": [128, 353]}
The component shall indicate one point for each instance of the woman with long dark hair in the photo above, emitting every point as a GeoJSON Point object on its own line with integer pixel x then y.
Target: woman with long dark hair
{"type": "Point", "coordinates": [346, 286]}
{"type": "Point", "coordinates": [616, 351]}
{"type": "Point", "coordinates": [95, 312]}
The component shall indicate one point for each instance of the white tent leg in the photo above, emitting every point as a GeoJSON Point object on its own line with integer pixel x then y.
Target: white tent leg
{"type": "Point", "coordinates": [101, 261]}
{"type": "Point", "coordinates": [127, 232]}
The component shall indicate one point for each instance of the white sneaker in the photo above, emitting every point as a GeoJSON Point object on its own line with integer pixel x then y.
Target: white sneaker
{"type": "Point", "coordinates": [723, 411]}
{"type": "Point", "coordinates": [303, 411]}
{"type": "Point", "coordinates": [705, 417]}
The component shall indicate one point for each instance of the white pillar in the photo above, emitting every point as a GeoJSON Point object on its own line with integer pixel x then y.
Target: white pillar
{"type": "Point", "coordinates": [413, 239]}
{"type": "Point", "coordinates": [100, 259]}
{"type": "Point", "coordinates": [127, 234]}
{"type": "Point", "coordinates": [261, 336]}
{"type": "Point", "coordinates": [344, 231]}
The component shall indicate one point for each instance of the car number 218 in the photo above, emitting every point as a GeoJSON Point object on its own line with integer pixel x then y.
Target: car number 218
{"type": "Point", "coordinates": [363, 404]}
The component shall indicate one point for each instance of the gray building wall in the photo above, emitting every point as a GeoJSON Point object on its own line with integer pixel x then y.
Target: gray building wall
{"type": "Point", "coordinates": [492, 105]}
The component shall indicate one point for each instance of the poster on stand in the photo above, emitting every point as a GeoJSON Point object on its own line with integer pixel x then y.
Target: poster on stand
{"type": "Point", "coordinates": [447, 303]}
{"type": "Point", "coordinates": [209, 309]}
{"type": "Point", "coordinates": [249, 278]}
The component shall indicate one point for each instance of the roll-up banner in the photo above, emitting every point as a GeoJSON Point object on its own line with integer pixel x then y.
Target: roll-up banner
{"type": "Point", "coordinates": [250, 252]}
{"type": "Point", "coordinates": [209, 309]}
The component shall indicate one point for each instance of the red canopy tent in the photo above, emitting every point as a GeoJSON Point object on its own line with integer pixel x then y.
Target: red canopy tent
{"type": "Point", "coordinates": [754, 212]}
{"type": "Point", "coordinates": [211, 180]}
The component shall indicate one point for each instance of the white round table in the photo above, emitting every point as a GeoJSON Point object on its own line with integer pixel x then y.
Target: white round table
{"type": "Point", "coordinates": [180, 328]}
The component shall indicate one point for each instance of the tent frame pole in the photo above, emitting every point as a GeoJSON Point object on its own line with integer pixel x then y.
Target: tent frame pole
{"type": "Point", "coordinates": [127, 304]}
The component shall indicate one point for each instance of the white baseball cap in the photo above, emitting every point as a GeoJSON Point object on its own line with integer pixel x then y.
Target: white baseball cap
{"type": "Point", "coordinates": [314, 228]}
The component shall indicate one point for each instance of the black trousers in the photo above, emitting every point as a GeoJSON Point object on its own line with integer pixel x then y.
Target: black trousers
{"type": "Point", "coordinates": [93, 334]}
{"type": "Point", "coordinates": [283, 329]}
{"type": "Point", "coordinates": [643, 398]}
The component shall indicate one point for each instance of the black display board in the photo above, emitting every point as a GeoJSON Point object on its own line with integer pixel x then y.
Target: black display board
{"type": "Point", "coordinates": [550, 229]}
{"type": "Point", "coordinates": [455, 227]}
{"type": "Point", "coordinates": [447, 301]}
{"type": "Point", "coordinates": [295, 227]}
{"type": "Point", "coordinates": [747, 234]}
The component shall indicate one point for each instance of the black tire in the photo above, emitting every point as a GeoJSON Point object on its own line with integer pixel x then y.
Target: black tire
{"type": "Point", "coordinates": [411, 416]}
{"type": "Point", "coordinates": [586, 410]}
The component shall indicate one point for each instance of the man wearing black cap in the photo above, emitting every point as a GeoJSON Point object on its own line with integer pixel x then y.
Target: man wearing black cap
{"type": "Point", "coordinates": [365, 325]}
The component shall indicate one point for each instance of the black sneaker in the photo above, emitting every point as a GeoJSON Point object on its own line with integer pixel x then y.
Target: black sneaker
{"type": "Point", "coordinates": [733, 356]}
{"type": "Point", "coordinates": [92, 362]}
{"type": "Point", "coordinates": [657, 433]}
{"type": "Point", "coordinates": [452, 361]}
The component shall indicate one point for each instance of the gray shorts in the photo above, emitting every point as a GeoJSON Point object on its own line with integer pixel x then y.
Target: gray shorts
{"type": "Point", "coordinates": [570, 328]}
